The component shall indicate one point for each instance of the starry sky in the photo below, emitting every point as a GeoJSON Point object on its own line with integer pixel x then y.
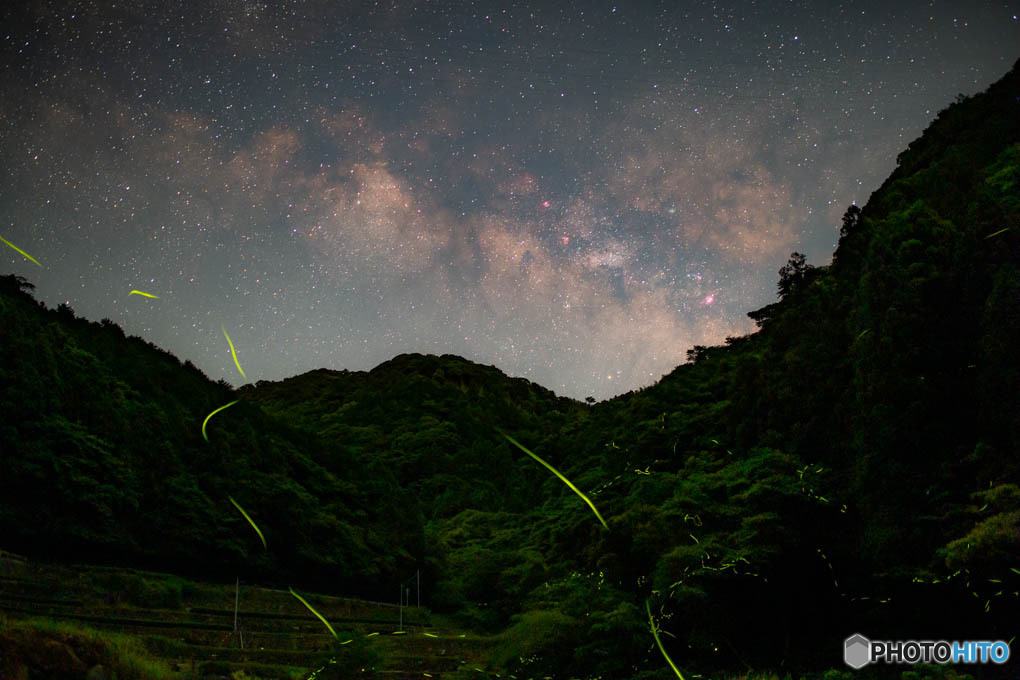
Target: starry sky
{"type": "Point", "coordinates": [573, 192]}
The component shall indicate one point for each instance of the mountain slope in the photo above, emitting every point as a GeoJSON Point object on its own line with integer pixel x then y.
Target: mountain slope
{"type": "Point", "coordinates": [105, 460]}
{"type": "Point", "coordinates": [432, 420]}
{"type": "Point", "coordinates": [887, 384]}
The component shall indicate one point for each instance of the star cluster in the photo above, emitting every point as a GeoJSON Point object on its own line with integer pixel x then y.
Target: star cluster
{"type": "Point", "coordinates": [574, 192]}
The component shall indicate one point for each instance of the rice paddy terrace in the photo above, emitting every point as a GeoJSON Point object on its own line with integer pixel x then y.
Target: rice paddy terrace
{"type": "Point", "coordinates": [191, 626]}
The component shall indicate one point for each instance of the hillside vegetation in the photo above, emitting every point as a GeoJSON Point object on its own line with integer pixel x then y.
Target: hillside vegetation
{"type": "Point", "coordinates": [850, 467]}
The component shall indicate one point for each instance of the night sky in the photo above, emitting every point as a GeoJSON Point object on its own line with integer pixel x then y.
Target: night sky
{"type": "Point", "coordinates": [576, 193]}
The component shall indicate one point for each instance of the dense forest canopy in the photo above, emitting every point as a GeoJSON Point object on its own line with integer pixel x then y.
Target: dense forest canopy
{"type": "Point", "coordinates": [852, 465]}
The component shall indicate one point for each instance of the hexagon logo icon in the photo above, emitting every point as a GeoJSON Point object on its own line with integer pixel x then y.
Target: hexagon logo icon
{"type": "Point", "coordinates": [857, 651]}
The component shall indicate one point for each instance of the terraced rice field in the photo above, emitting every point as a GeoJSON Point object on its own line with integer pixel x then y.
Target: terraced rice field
{"type": "Point", "coordinates": [191, 625]}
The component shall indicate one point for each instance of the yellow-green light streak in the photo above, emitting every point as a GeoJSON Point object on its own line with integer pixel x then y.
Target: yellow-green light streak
{"type": "Point", "coordinates": [251, 522]}
{"type": "Point", "coordinates": [655, 634]}
{"type": "Point", "coordinates": [206, 421]}
{"type": "Point", "coordinates": [19, 250]}
{"type": "Point", "coordinates": [557, 473]}
{"type": "Point", "coordinates": [312, 610]}
{"type": "Point", "coordinates": [138, 292]}
{"type": "Point", "coordinates": [233, 352]}
{"type": "Point", "coordinates": [996, 233]}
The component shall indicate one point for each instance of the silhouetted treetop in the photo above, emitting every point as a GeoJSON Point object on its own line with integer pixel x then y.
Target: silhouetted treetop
{"type": "Point", "coordinates": [792, 273]}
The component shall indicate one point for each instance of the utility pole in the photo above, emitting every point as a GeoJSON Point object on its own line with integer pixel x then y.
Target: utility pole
{"type": "Point", "coordinates": [237, 595]}
{"type": "Point", "coordinates": [417, 578]}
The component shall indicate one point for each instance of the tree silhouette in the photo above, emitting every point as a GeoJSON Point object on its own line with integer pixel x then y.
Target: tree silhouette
{"type": "Point", "coordinates": [851, 218]}
{"type": "Point", "coordinates": [16, 284]}
{"type": "Point", "coordinates": [792, 273]}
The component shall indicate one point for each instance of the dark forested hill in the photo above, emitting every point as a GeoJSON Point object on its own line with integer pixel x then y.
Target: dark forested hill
{"type": "Point", "coordinates": [852, 466]}
{"type": "Point", "coordinates": [432, 421]}
{"type": "Point", "coordinates": [861, 450]}
{"type": "Point", "coordinates": [104, 459]}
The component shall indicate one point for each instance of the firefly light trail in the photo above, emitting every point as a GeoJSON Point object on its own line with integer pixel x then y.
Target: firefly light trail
{"type": "Point", "coordinates": [251, 522]}
{"type": "Point", "coordinates": [655, 634]}
{"type": "Point", "coordinates": [19, 250]}
{"type": "Point", "coordinates": [312, 610]}
{"type": "Point", "coordinates": [204, 422]}
{"type": "Point", "coordinates": [233, 353]}
{"type": "Point", "coordinates": [557, 473]}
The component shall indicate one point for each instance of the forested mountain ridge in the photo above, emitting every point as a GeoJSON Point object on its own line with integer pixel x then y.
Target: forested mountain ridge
{"type": "Point", "coordinates": [889, 380]}
{"type": "Point", "coordinates": [104, 459]}
{"type": "Point", "coordinates": [852, 466]}
{"type": "Point", "coordinates": [432, 420]}
{"type": "Point", "coordinates": [903, 345]}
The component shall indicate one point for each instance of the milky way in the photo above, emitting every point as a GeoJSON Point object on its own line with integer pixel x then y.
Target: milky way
{"type": "Point", "coordinates": [576, 193]}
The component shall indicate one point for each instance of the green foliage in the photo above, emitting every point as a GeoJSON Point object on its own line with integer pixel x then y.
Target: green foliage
{"type": "Point", "coordinates": [346, 660]}
{"type": "Point", "coordinates": [933, 672]}
{"type": "Point", "coordinates": [991, 546]}
{"type": "Point", "coordinates": [108, 463]}
{"type": "Point", "coordinates": [537, 639]}
{"type": "Point", "coordinates": [47, 648]}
